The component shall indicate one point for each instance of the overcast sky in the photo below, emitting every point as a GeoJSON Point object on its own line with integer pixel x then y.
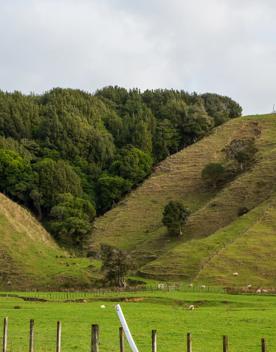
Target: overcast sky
{"type": "Point", "coordinates": [222, 46]}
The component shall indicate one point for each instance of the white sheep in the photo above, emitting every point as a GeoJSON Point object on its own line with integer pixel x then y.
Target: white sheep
{"type": "Point", "coordinates": [191, 307]}
{"type": "Point", "coordinates": [103, 306]}
{"type": "Point", "coordinates": [236, 274]}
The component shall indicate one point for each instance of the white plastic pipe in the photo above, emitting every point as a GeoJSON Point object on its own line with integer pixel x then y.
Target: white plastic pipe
{"type": "Point", "coordinates": [126, 329]}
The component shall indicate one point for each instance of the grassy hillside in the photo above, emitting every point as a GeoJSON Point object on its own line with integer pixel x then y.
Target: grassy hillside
{"type": "Point", "coordinates": [30, 258]}
{"type": "Point", "coordinates": [216, 241]}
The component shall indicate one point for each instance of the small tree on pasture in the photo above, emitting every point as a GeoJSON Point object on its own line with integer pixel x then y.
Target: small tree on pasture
{"type": "Point", "coordinates": [242, 151]}
{"type": "Point", "coordinates": [116, 265]}
{"type": "Point", "coordinates": [213, 174]}
{"type": "Point", "coordinates": [174, 217]}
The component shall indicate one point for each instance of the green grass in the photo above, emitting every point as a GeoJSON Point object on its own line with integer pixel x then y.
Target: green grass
{"type": "Point", "coordinates": [29, 257]}
{"type": "Point", "coordinates": [245, 319]}
{"type": "Point", "coordinates": [251, 254]}
{"type": "Point", "coordinates": [248, 245]}
{"type": "Point", "coordinates": [216, 242]}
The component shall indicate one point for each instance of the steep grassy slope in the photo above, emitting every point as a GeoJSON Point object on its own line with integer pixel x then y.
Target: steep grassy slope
{"type": "Point", "coordinates": [214, 224]}
{"type": "Point", "coordinates": [30, 258]}
{"type": "Point", "coordinates": [252, 254]}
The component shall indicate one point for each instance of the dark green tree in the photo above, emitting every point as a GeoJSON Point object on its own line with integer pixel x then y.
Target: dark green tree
{"type": "Point", "coordinates": [110, 190]}
{"type": "Point", "coordinates": [132, 164]}
{"type": "Point", "coordinates": [16, 177]}
{"type": "Point", "coordinates": [213, 174]}
{"type": "Point", "coordinates": [197, 123]}
{"type": "Point", "coordinates": [242, 151]}
{"type": "Point", "coordinates": [71, 219]}
{"type": "Point", "coordinates": [175, 215]}
{"type": "Point", "coordinates": [167, 140]}
{"type": "Point", "coordinates": [221, 108]}
{"type": "Point", "coordinates": [116, 265]}
{"type": "Point", "coordinates": [37, 200]}
{"type": "Point", "coordinates": [55, 178]}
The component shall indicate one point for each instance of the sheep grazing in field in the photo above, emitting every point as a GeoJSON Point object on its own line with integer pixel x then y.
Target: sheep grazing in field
{"type": "Point", "coordinates": [203, 286]}
{"type": "Point", "coordinates": [103, 306]}
{"type": "Point", "coordinates": [191, 285]}
{"type": "Point", "coordinates": [236, 274]}
{"type": "Point", "coordinates": [249, 286]}
{"type": "Point", "coordinates": [259, 290]}
{"type": "Point", "coordinates": [191, 307]}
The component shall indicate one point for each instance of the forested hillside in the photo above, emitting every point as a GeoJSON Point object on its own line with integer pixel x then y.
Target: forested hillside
{"type": "Point", "coordinates": [68, 155]}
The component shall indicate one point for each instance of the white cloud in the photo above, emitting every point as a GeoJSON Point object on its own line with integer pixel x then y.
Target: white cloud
{"type": "Point", "coordinates": [224, 46]}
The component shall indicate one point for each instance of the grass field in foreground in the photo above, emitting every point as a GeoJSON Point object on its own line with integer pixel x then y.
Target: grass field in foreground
{"type": "Point", "coordinates": [245, 319]}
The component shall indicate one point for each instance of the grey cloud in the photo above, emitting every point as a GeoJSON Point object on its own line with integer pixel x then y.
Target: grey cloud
{"type": "Point", "coordinates": [216, 45]}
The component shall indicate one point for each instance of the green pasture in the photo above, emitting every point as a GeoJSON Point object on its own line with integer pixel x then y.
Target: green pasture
{"type": "Point", "coordinates": [244, 318]}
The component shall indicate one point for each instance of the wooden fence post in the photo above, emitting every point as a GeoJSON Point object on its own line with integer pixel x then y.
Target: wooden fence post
{"type": "Point", "coordinates": [189, 342]}
{"type": "Point", "coordinates": [225, 343]}
{"type": "Point", "coordinates": [31, 340]}
{"type": "Point", "coordinates": [121, 336]}
{"type": "Point", "coordinates": [95, 338]}
{"type": "Point", "coordinates": [154, 341]}
{"type": "Point", "coordinates": [58, 342]}
{"type": "Point", "coordinates": [5, 335]}
{"type": "Point", "coordinates": [263, 345]}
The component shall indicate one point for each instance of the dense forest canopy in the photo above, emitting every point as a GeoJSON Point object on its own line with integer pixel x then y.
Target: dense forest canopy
{"type": "Point", "coordinates": [68, 155]}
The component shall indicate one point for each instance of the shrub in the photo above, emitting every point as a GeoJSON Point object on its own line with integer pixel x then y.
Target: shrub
{"type": "Point", "coordinates": [213, 174]}
{"type": "Point", "coordinates": [242, 211]}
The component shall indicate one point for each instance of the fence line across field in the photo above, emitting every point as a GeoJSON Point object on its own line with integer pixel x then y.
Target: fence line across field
{"type": "Point", "coordinates": [165, 287]}
{"type": "Point", "coordinates": [95, 339]}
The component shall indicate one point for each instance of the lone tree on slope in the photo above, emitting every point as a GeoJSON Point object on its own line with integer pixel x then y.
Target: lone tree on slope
{"type": "Point", "coordinates": [116, 265]}
{"type": "Point", "coordinates": [175, 216]}
{"type": "Point", "coordinates": [213, 174]}
{"type": "Point", "coordinates": [242, 151]}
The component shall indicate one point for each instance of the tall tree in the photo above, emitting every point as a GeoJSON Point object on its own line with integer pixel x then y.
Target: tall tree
{"type": "Point", "coordinates": [116, 265]}
{"type": "Point", "coordinates": [71, 219]}
{"type": "Point", "coordinates": [16, 178]}
{"type": "Point", "coordinates": [132, 164]}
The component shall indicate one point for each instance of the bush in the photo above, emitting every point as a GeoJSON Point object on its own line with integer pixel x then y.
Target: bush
{"type": "Point", "coordinates": [213, 174]}
{"type": "Point", "coordinates": [242, 211]}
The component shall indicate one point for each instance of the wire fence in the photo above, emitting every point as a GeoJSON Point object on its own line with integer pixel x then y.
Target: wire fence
{"type": "Point", "coordinates": [96, 293]}
{"type": "Point", "coordinates": [53, 342]}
